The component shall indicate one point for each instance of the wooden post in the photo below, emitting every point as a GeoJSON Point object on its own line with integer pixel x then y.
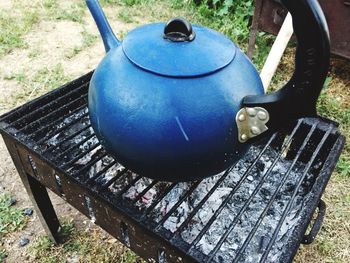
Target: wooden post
{"type": "Point", "coordinates": [276, 52]}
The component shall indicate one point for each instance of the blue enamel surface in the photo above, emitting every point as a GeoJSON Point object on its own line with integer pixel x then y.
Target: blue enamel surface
{"type": "Point", "coordinates": [208, 52]}
{"type": "Point", "coordinates": [109, 39]}
{"type": "Point", "coordinates": [168, 128]}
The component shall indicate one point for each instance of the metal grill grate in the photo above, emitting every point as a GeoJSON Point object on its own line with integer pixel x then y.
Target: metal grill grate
{"type": "Point", "coordinates": [256, 211]}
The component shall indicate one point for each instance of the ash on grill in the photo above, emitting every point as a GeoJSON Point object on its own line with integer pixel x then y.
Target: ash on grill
{"type": "Point", "coordinates": [249, 192]}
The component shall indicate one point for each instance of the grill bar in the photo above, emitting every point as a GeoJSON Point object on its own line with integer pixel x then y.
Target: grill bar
{"type": "Point", "coordinates": [101, 153]}
{"type": "Point", "coordinates": [45, 128]}
{"type": "Point", "coordinates": [126, 188]}
{"type": "Point", "coordinates": [290, 203]}
{"type": "Point", "coordinates": [64, 127]}
{"type": "Point", "coordinates": [62, 112]}
{"type": "Point", "coordinates": [75, 146]}
{"type": "Point", "coordinates": [268, 206]}
{"type": "Point", "coordinates": [110, 182]}
{"type": "Point", "coordinates": [224, 203]}
{"type": "Point", "coordinates": [65, 139]}
{"type": "Point", "coordinates": [258, 187]}
{"type": "Point", "coordinates": [47, 107]}
{"type": "Point", "coordinates": [213, 189]}
{"type": "Point", "coordinates": [158, 199]}
{"type": "Point", "coordinates": [178, 203]}
{"type": "Point", "coordinates": [104, 170]}
{"type": "Point", "coordinates": [79, 156]}
{"type": "Point", "coordinates": [245, 175]}
{"type": "Point", "coordinates": [199, 205]}
{"type": "Point", "coordinates": [144, 191]}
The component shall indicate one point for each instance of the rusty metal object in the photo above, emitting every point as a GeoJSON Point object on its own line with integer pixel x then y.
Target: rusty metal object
{"type": "Point", "coordinates": [269, 16]}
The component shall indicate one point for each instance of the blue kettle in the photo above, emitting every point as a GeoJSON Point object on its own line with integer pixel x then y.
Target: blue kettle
{"type": "Point", "coordinates": [180, 102]}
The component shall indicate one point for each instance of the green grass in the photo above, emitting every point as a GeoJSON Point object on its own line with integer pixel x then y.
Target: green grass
{"type": "Point", "coordinates": [88, 41]}
{"type": "Point", "coordinates": [11, 220]}
{"type": "Point", "coordinates": [330, 106]}
{"type": "Point", "coordinates": [83, 246]}
{"type": "Point", "coordinates": [343, 166]}
{"type": "Point", "coordinates": [3, 254]}
{"type": "Point", "coordinates": [42, 81]}
{"type": "Point", "coordinates": [125, 17]}
{"type": "Point", "coordinates": [13, 28]}
{"type": "Point", "coordinates": [11, 217]}
{"type": "Point", "coordinates": [74, 13]}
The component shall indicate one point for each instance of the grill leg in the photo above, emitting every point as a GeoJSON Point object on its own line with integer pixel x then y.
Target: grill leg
{"type": "Point", "coordinates": [38, 195]}
{"type": "Point", "coordinates": [43, 206]}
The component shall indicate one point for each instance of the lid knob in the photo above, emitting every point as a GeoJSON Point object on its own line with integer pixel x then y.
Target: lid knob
{"type": "Point", "coordinates": [179, 30]}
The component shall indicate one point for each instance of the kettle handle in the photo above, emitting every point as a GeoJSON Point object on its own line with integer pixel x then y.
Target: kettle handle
{"type": "Point", "coordinates": [298, 98]}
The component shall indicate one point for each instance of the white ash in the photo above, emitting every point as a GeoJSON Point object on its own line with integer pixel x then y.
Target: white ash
{"type": "Point", "coordinates": [122, 181]}
{"type": "Point", "coordinates": [87, 158]}
{"type": "Point", "coordinates": [71, 128]}
{"type": "Point", "coordinates": [82, 149]}
{"type": "Point", "coordinates": [100, 165]}
{"type": "Point", "coordinates": [109, 174]}
{"type": "Point", "coordinates": [53, 141]}
{"type": "Point", "coordinates": [134, 191]}
{"type": "Point", "coordinates": [227, 216]}
{"type": "Point", "coordinates": [250, 216]}
{"type": "Point", "coordinates": [86, 146]}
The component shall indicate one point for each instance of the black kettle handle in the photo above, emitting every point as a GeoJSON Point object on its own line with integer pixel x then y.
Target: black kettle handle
{"type": "Point", "coordinates": [299, 96]}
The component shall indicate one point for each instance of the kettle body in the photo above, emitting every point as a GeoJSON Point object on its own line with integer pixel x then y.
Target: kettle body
{"type": "Point", "coordinates": [165, 127]}
{"type": "Point", "coordinates": [177, 102]}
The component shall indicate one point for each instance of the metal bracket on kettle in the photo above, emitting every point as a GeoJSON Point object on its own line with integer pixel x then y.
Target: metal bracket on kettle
{"type": "Point", "coordinates": [251, 122]}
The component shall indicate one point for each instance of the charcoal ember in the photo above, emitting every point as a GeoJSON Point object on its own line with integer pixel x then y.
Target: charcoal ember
{"type": "Point", "coordinates": [86, 145]}
{"type": "Point", "coordinates": [53, 141]}
{"type": "Point", "coordinates": [99, 166]}
{"type": "Point", "coordinates": [237, 203]}
{"type": "Point", "coordinates": [13, 201]}
{"type": "Point", "coordinates": [252, 204]}
{"type": "Point", "coordinates": [23, 242]}
{"type": "Point", "coordinates": [264, 241]}
{"type": "Point", "coordinates": [67, 121]}
{"type": "Point", "coordinates": [28, 211]}
{"type": "Point", "coordinates": [148, 197]}
{"type": "Point", "coordinates": [87, 157]}
{"type": "Point", "coordinates": [171, 223]}
{"type": "Point", "coordinates": [110, 173]}
{"type": "Point", "coordinates": [135, 190]}
{"type": "Point", "coordinates": [67, 128]}
{"type": "Point", "coordinates": [172, 198]}
{"type": "Point", "coordinates": [94, 169]}
{"type": "Point", "coordinates": [260, 166]}
{"type": "Point", "coordinates": [174, 222]}
{"type": "Point", "coordinates": [122, 182]}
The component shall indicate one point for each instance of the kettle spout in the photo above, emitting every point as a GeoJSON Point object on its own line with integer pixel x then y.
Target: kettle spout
{"type": "Point", "coordinates": [109, 39]}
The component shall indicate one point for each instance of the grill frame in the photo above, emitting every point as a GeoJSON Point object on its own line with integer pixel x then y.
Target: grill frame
{"type": "Point", "coordinates": [91, 201]}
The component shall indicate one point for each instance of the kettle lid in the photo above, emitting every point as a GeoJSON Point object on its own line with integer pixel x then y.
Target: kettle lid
{"type": "Point", "coordinates": [177, 49]}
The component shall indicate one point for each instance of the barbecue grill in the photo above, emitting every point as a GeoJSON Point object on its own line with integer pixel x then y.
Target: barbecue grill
{"type": "Point", "coordinates": [256, 211]}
